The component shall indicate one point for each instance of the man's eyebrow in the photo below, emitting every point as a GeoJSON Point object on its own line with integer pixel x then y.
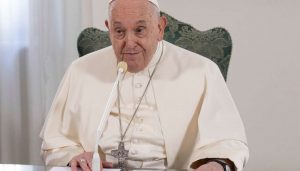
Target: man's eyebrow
{"type": "Point", "coordinates": [117, 23]}
{"type": "Point", "coordinates": [141, 22]}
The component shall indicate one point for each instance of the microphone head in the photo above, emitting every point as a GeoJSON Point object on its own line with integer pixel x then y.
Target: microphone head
{"type": "Point", "coordinates": [122, 66]}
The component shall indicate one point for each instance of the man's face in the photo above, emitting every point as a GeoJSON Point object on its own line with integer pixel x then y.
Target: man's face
{"type": "Point", "coordinates": [134, 29]}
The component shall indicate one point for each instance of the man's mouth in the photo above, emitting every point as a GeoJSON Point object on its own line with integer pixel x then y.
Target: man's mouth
{"type": "Point", "coordinates": [130, 53]}
{"type": "Point", "coordinates": [130, 56]}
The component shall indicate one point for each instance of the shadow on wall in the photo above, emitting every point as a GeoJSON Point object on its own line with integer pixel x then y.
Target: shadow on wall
{"type": "Point", "coordinates": [23, 154]}
{"type": "Point", "coordinates": [15, 102]}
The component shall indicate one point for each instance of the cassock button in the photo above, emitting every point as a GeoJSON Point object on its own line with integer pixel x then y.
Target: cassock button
{"type": "Point", "coordinates": [138, 85]}
{"type": "Point", "coordinates": [151, 107]}
{"type": "Point", "coordinates": [133, 152]}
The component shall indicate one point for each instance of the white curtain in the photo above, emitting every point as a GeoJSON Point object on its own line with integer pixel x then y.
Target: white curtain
{"type": "Point", "coordinates": [37, 43]}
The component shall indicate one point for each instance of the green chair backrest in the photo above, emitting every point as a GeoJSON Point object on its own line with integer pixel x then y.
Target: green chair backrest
{"type": "Point", "coordinates": [214, 44]}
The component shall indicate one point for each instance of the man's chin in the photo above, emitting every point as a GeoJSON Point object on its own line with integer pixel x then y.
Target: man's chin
{"type": "Point", "coordinates": [133, 68]}
{"type": "Point", "coordinates": [130, 58]}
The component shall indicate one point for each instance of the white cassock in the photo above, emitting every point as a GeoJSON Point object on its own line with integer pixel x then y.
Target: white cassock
{"type": "Point", "coordinates": [196, 116]}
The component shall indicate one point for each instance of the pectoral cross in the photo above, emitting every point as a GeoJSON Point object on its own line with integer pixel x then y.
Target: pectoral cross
{"type": "Point", "coordinates": [122, 155]}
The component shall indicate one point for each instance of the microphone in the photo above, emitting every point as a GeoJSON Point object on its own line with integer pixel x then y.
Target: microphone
{"type": "Point", "coordinates": [122, 68]}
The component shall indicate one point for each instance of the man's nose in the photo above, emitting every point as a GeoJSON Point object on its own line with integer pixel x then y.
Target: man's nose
{"type": "Point", "coordinates": [130, 40]}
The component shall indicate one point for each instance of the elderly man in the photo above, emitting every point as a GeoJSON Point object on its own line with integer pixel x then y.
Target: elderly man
{"type": "Point", "coordinates": [172, 111]}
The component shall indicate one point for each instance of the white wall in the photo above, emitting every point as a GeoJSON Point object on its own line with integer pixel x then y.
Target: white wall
{"type": "Point", "coordinates": [264, 73]}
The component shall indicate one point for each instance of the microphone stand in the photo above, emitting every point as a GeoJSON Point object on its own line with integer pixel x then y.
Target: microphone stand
{"type": "Point", "coordinates": [122, 68]}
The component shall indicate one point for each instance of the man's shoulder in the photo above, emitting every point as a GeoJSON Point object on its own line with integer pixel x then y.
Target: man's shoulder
{"type": "Point", "coordinates": [97, 57]}
{"type": "Point", "coordinates": [96, 63]}
{"type": "Point", "coordinates": [96, 60]}
{"type": "Point", "coordinates": [185, 58]}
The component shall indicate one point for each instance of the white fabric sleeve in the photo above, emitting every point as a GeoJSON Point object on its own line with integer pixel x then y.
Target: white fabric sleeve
{"type": "Point", "coordinates": [221, 130]}
{"type": "Point", "coordinates": [59, 147]}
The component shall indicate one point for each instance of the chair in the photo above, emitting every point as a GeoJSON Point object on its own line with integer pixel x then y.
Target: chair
{"type": "Point", "coordinates": [214, 44]}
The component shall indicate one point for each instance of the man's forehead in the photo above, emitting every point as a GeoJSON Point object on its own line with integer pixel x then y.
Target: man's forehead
{"type": "Point", "coordinates": [155, 2]}
{"type": "Point", "coordinates": [120, 24]}
{"type": "Point", "coordinates": [137, 22]}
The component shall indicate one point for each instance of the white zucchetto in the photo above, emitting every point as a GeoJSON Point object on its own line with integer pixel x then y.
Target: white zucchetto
{"type": "Point", "coordinates": [152, 1]}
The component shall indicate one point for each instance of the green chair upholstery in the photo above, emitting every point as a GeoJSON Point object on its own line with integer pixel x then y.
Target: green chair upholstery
{"type": "Point", "coordinates": [214, 44]}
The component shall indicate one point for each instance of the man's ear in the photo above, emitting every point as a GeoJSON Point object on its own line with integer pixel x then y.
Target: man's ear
{"type": "Point", "coordinates": [107, 24]}
{"type": "Point", "coordinates": [161, 26]}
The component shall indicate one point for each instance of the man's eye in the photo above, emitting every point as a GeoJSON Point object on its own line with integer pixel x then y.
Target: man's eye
{"type": "Point", "coordinates": [119, 33]}
{"type": "Point", "coordinates": [140, 30]}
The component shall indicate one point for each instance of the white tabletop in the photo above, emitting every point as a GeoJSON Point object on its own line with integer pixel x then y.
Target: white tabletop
{"type": "Point", "coordinates": [18, 167]}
